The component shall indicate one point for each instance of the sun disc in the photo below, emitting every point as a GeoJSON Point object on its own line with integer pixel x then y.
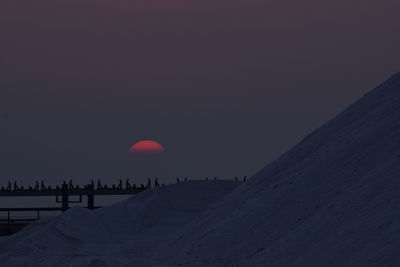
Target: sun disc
{"type": "Point", "coordinates": [146, 147]}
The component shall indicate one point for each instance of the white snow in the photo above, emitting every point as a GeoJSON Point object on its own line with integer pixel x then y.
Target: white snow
{"type": "Point", "coordinates": [123, 234]}
{"type": "Point", "coordinates": [332, 200]}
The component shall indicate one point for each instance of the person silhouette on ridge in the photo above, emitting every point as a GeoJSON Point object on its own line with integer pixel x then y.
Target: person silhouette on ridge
{"type": "Point", "coordinates": [36, 187]}
{"type": "Point", "coordinates": [71, 185]}
{"type": "Point", "coordinates": [99, 186]}
{"type": "Point", "coordinates": [42, 186]}
{"type": "Point", "coordinates": [15, 186]}
{"type": "Point", "coordinates": [127, 184]}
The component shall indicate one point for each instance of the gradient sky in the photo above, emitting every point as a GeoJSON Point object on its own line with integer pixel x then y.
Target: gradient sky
{"type": "Point", "coordinates": [225, 85]}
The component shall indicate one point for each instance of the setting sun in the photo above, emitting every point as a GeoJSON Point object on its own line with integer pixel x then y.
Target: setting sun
{"type": "Point", "coordinates": [147, 146]}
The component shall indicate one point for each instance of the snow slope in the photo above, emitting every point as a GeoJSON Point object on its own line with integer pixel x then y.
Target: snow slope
{"type": "Point", "coordinates": [124, 234]}
{"type": "Point", "coordinates": [332, 200]}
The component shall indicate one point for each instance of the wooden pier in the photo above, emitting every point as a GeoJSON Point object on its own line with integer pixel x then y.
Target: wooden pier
{"type": "Point", "coordinates": [62, 194]}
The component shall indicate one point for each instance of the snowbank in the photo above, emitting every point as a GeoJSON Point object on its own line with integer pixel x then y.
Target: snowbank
{"type": "Point", "coordinates": [333, 200]}
{"type": "Point", "coordinates": [123, 234]}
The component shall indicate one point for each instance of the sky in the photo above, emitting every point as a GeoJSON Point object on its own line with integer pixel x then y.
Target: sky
{"type": "Point", "coordinates": [224, 86]}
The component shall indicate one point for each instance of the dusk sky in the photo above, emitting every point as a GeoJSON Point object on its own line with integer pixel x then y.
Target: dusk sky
{"type": "Point", "coordinates": [224, 86]}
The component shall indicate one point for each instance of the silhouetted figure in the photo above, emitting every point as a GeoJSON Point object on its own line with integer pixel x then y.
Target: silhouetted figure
{"type": "Point", "coordinates": [245, 179]}
{"type": "Point", "coordinates": [186, 179]}
{"type": "Point", "coordinates": [127, 184]}
{"type": "Point", "coordinates": [71, 185]}
{"type": "Point", "coordinates": [36, 188]}
{"type": "Point", "coordinates": [42, 186]}
{"type": "Point", "coordinates": [236, 179]}
{"type": "Point", "coordinates": [206, 178]}
{"type": "Point", "coordinates": [142, 186]}
{"type": "Point", "coordinates": [9, 186]}
{"type": "Point", "coordinates": [156, 184]}
{"type": "Point", "coordinates": [92, 183]}
{"type": "Point", "coordinates": [148, 183]}
{"type": "Point", "coordinates": [120, 184]}
{"type": "Point", "coordinates": [177, 180]}
{"type": "Point", "coordinates": [99, 186]}
{"type": "Point", "coordinates": [215, 178]}
{"type": "Point", "coordinates": [16, 188]}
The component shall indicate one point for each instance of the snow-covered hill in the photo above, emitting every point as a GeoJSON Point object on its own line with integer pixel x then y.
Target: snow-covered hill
{"type": "Point", "coordinates": [124, 234]}
{"type": "Point", "coordinates": [333, 200]}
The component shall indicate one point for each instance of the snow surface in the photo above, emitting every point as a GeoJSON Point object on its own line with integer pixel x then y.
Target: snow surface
{"type": "Point", "coordinates": [332, 200]}
{"type": "Point", "coordinates": [124, 234]}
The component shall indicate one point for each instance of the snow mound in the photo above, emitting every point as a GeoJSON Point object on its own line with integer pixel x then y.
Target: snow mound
{"type": "Point", "coordinates": [124, 234]}
{"type": "Point", "coordinates": [332, 200]}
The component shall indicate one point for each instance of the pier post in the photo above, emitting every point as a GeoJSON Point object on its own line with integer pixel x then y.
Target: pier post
{"type": "Point", "coordinates": [64, 198]}
{"type": "Point", "coordinates": [90, 197]}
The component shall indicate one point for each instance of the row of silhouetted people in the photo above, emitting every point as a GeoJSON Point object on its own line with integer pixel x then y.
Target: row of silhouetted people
{"type": "Point", "coordinates": [127, 184]}
{"type": "Point", "coordinates": [70, 185]}
{"type": "Point", "coordinates": [99, 186]}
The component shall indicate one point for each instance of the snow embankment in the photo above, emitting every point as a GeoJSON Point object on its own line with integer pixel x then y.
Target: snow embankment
{"type": "Point", "coordinates": [333, 200]}
{"type": "Point", "coordinates": [123, 234]}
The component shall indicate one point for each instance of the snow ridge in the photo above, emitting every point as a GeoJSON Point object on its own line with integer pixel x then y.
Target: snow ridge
{"type": "Point", "coordinates": [332, 200]}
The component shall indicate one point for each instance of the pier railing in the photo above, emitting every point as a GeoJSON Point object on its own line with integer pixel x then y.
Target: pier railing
{"type": "Point", "coordinates": [62, 196]}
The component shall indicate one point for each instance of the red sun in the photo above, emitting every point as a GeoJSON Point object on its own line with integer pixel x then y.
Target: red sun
{"type": "Point", "coordinates": [146, 147]}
